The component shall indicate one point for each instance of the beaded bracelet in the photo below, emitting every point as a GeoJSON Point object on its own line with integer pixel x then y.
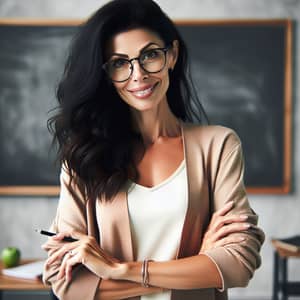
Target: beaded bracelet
{"type": "Point", "coordinates": [145, 273]}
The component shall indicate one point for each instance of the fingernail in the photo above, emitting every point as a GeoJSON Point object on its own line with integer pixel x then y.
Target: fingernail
{"type": "Point", "coordinates": [243, 217]}
{"type": "Point", "coordinates": [241, 239]}
{"type": "Point", "coordinates": [247, 226]}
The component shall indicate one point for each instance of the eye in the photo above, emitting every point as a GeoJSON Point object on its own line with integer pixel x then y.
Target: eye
{"type": "Point", "coordinates": [118, 63]}
{"type": "Point", "coordinates": [151, 54]}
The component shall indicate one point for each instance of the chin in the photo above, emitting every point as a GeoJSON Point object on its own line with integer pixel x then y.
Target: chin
{"type": "Point", "coordinates": [143, 106]}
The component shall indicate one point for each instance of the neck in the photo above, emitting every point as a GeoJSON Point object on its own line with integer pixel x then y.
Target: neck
{"type": "Point", "coordinates": [153, 125]}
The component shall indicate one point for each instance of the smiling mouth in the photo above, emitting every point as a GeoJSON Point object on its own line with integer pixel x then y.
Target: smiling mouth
{"type": "Point", "coordinates": [144, 93]}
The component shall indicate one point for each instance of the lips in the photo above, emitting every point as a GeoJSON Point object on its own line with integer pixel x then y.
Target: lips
{"type": "Point", "coordinates": [143, 92]}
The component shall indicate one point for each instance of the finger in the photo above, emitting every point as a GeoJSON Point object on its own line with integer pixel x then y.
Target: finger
{"type": "Point", "coordinates": [231, 228]}
{"type": "Point", "coordinates": [61, 235]}
{"type": "Point", "coordinates": [214, 236]}
{"type": "Point", "coordinates": [69, 260]}
{"type": "Point", "coordinates": [88, 240]}
{"type": "Point", "coordinates": [225, 209]}
{"type": "Point", "coordinates": [229, 240]}
{"type": "Point", "coordinates": [77, 235]}
{"type": "Point", "coordinates": [59, 254]}
{"type": "Point", "coordinates": [226, 220]}
{"type": "Point", "coordinates": [46, 246]}
{"type": "Point", "coordinates": [72, 261]}
{"type": "Point", "coordinates": [235, 218]}
{"type": "Point", "coordinates": [68, 272]}
{"type": "Point", "coordinates": [221, 221]}
{"type": "Point", "coordinates": [84, 242]}
{"type": "Point", "coordinates": [51, 243]}
{"type": "Point", "coordinates": [62, 269]}
{"type": "Point", "coordinates": [221, 212]}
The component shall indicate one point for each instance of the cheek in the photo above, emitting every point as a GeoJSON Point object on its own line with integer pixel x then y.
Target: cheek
{"type": "Point", "coordinates": [119, 87]}
{"type": "Point", "coordinates": [165, 80]}
{"type": "Point", "coordinates": [121, 90]}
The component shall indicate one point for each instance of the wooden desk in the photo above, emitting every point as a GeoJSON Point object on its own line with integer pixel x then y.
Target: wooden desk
{"type": "Point", "coordinates": [8, 283]}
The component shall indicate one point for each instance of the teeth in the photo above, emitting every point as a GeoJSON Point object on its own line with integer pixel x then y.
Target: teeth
{"type": "Point", "coordinates": [144, 92]}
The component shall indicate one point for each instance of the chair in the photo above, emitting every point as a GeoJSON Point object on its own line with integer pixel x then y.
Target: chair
{"type": "Point", "coordinates": [283, 250]}
{"type": "Point", "coordinates": [52, 295]}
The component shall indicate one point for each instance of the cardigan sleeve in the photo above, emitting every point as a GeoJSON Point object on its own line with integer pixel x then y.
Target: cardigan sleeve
{"type": "Point", "coordinates": [235, 262]}
{"type": "Point", "coordinates": [71, 215]}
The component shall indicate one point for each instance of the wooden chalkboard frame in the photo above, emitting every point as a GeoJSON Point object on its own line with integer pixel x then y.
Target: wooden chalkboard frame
{"type": "Point", "coordinates": [284, 188]}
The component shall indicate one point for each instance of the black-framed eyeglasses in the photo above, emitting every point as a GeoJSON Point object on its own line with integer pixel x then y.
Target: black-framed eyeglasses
{"type": "Point", "coordinates": [151, 61]}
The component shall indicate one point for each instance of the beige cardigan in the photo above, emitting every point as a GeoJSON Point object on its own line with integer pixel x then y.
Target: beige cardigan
{"type": "Point", "coordinates": [215, 176]}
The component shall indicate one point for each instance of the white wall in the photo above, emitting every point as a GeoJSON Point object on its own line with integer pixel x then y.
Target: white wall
{"type": "Point", "coordinates": [279, 215]}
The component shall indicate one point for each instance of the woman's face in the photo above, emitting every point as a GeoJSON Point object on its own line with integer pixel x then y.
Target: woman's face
{"type": "Point", "coordinates": [142, 90]}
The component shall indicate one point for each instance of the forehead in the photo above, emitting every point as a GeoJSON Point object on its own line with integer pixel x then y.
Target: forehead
{"type": "Point", "coordinates": [130, 42]}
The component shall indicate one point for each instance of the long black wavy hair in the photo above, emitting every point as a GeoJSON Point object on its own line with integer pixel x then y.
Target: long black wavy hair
{"type": "Point", "coordinates": [93, 125]}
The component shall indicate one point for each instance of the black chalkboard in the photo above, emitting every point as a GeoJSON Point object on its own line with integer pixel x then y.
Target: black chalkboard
{"type": "Point", "coordinates": [239, 68]}
{"type": "Point", "coordinates": [32, 60]}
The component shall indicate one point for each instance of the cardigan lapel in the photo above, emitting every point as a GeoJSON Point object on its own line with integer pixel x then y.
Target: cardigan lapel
{"type": "Point", "coordinates": [197, 211]}
{"type": "Point", "coordinates": [115, 234]}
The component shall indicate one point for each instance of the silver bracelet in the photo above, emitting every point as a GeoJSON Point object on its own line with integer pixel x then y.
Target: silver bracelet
{"type": "Point", "coordinates": [145, 273]}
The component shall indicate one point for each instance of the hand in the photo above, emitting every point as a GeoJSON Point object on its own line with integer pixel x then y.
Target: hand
{"type": "Point", "coordinates": [85, 251]}
{"type": "Point", "coordinates": [221, 226]}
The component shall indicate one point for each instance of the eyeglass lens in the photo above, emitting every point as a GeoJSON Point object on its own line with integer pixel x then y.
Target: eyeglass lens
{"type": "Point", "coordinates": [151, 61]}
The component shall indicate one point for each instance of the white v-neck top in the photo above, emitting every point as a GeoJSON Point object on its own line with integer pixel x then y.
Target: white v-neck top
{"type": "Point", "coordinates": [156, 217]}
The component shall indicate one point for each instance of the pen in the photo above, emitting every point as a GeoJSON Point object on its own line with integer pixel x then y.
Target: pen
{"type": "Point", "coordinates": [48, 233]}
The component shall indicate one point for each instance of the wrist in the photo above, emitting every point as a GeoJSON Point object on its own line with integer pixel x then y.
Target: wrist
{"type": "Point", "coordinates": [129, 271]}
{"type": "Point", "coordinates": [120, 271]}
{"type": "Point", "coordinates": [135, 271]}
{"type": "Point", "coordinates": [132, 272]}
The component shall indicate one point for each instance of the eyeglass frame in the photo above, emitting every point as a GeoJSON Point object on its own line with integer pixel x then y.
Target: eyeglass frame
{"type": "Point", "coordinates": [164, 49]}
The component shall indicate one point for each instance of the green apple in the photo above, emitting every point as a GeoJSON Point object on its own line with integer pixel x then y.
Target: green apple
{"type": "Point", "coordinates": [10, 257]}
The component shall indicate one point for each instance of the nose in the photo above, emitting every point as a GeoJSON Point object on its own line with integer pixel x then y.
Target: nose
{"type": "Point", "coordinates": [138, 73]}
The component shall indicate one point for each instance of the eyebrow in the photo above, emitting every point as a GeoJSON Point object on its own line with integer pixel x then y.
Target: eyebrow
{"type": "Point", "coordinates": [141, 50]}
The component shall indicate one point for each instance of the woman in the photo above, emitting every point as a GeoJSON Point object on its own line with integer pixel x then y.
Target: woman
{"type": "Point", "coordinates": [157, 205]}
